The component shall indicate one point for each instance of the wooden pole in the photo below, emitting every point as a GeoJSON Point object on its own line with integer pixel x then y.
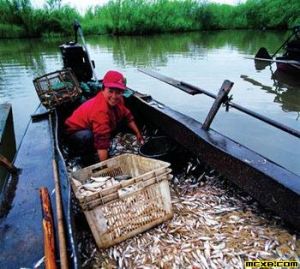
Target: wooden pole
{"type": "Point", "coordinates": [8, 165]}
{"type": "Point", "coordinates": [60, 220]}
{"type": "Point", "coordinates": [48, 229]}
{"type": "Point", "coordinates": [223, 92]}
{"type": "Point", "coordinates": [59, 210]}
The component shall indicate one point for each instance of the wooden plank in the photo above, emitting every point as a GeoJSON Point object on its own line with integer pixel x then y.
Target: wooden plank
{"type": "Point", "coordinates": [48, 229]}
{"type": "Point", "coordinates": [222, 95]}
{"type": "Point", "coordinates": [59, 207]}
{"type": "Point", "coordinates": [275, 61]}
{"type": "Point", "coordinates": [172, 82]}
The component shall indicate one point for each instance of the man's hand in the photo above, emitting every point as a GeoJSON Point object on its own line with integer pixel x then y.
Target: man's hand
{"type": "Point", "coordinates": [135, 129]}
{"type": "Point", "coordinates": [140, 138]}
{"type": "Point", "coordinates": [102, 154]}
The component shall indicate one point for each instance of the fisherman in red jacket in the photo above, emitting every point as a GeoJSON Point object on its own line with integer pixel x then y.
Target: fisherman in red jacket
{"type": "Point", "coordinates": [91, 124]}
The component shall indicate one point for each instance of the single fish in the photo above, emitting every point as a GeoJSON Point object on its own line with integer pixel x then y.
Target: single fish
{"type": "Point", "coordinates": [122, 177]}
{"type": "Point", "coordinates": [100, 179]}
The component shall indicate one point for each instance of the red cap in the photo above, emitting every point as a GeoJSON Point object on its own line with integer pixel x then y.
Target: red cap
{"type": "Point", "coordinates": [114, 79]}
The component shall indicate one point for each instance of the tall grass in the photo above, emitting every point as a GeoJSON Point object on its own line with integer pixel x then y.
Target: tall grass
{"type": "Point", "coordinates": [18, 18]}
{"type": "Point", "coordinates": [148, 16]}
{"type": "Point", "coordinates": [143, 16]}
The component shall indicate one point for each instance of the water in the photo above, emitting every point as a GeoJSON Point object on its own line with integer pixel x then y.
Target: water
{"type": "Point", "coordinates": [203, 59]}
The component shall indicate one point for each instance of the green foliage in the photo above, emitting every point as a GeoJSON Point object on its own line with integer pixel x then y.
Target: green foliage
{"type": "Point", "coordinates": [11, 31]}
{"type": "Point", "coordinates": [143, 16]}
{"type": "Point", "coordinates": [18, 18]}
{"type": "Point", "coordinates": [54, 4]}
{"type": "Point", "coordinates": [271, 14]}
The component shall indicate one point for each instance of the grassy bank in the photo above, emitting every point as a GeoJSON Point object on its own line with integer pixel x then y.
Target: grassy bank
{"type": "Point", "coordinates": [19, 19]}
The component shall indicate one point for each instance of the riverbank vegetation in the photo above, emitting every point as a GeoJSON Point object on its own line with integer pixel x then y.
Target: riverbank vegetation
{"type": "Point", "coordinates": [18, 18]}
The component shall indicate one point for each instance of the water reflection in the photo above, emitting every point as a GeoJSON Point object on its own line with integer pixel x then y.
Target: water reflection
{"type": "Point", "coordinates": [154, 50]}
{"type": "Point", "coordinates": [285, 87]}
{"type": "Point", "coordinates": [261, 65]}
{"type": "Point", "coordinates": [148, 50]}
{"type": "Point", "coordinates": [28, 53]}
{"type": "Point", "coordinates": [285, 80]}
{"type": "Point", "coordinates": [134, 50]}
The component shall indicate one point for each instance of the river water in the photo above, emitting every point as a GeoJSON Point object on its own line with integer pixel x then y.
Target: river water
{"type": "Point", "coordinates": [204, 59]}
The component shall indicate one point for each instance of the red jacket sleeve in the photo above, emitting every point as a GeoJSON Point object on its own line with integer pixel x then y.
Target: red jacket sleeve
{"type": "Point", "coordinates": [101, 130]}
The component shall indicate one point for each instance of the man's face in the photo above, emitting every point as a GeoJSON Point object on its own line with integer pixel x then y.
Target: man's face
{"type": "Point", "coordinates": [112, 96]}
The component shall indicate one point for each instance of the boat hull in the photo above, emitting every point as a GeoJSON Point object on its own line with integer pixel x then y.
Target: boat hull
{"type": "Point", "coordinates": [272, 185]}
{"type": "Point", "coordinates": [21, 223]}
{"type": "Point", "coordinates": [292, 68]}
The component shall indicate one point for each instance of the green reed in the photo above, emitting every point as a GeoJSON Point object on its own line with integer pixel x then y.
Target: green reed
{"type": "Point", "coordinates": [19, 19]}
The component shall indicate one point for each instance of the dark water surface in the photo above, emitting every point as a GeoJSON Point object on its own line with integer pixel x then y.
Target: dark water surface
{"type": "Point", "coordinates": [203, 59]}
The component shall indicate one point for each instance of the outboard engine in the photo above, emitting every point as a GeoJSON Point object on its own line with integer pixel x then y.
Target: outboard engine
{"type": "Point", "coordinates": [76, 57]}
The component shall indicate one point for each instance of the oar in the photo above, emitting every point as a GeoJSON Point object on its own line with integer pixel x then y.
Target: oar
{"type": "Point", "coordinates": [264, 54]}
{"type": "Point", "coordinates": [178, 84]}
{"type": "Point", "coordinates": [275, 61]}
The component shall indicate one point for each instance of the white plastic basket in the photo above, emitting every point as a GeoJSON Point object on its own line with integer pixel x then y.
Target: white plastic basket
{"type": "Point", "coordinates": [131, 206]}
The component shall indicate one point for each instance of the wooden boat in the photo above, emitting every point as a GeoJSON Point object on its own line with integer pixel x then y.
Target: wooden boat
{"type": "Point", "coordinates": [289, 62]}
{"type": "Point", "coordinates": [292, 52]}
{"type": "Point", "coordinates": [272, 185]}
{"type": "Point", "coordinates": [285, 64]}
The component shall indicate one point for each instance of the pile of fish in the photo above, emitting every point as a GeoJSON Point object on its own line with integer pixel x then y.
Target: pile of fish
{"type": "Point", "coordinates": [215, 225]}
{"type": "Point", "coordinates": [124, 143]}
{"type": "Point", "coordinates": [94, 184]}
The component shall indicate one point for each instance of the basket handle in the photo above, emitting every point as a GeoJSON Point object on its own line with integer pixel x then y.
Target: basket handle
{"type": "Point", "coordinates": [99, 168]}
{"type": "Point", "coordinates": [130, 189]}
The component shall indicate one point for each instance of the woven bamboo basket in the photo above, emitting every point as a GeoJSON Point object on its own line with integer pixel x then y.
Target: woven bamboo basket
{"type": "Point", "coordinates": [56, 88]}
{"type": "Point", "coordinates": [131, 206]}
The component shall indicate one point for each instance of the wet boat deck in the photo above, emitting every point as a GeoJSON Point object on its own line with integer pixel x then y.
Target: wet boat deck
{"type": "Point", "coordinates": [21, 232]}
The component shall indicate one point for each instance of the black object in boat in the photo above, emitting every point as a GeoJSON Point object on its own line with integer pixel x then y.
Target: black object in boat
{"type": "Point", "coordinates": [75, 57]}
{"type": "Point", "coordinates": [159, 147]}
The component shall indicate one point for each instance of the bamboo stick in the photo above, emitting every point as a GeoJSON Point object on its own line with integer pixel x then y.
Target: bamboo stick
{"type": "Point", "coordinates": [49, 238]}
{"type": "Point", "coordinates": [60, 220]}
{"type": "Point", "coordinates": [59, 210]}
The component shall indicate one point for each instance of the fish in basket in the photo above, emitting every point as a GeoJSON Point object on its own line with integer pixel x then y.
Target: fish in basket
{"type": "Point", "coordinates": [123, 196]}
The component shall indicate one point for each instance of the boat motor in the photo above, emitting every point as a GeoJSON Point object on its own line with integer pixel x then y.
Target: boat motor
{"type": "Point", "coordinates": [76, 57]}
